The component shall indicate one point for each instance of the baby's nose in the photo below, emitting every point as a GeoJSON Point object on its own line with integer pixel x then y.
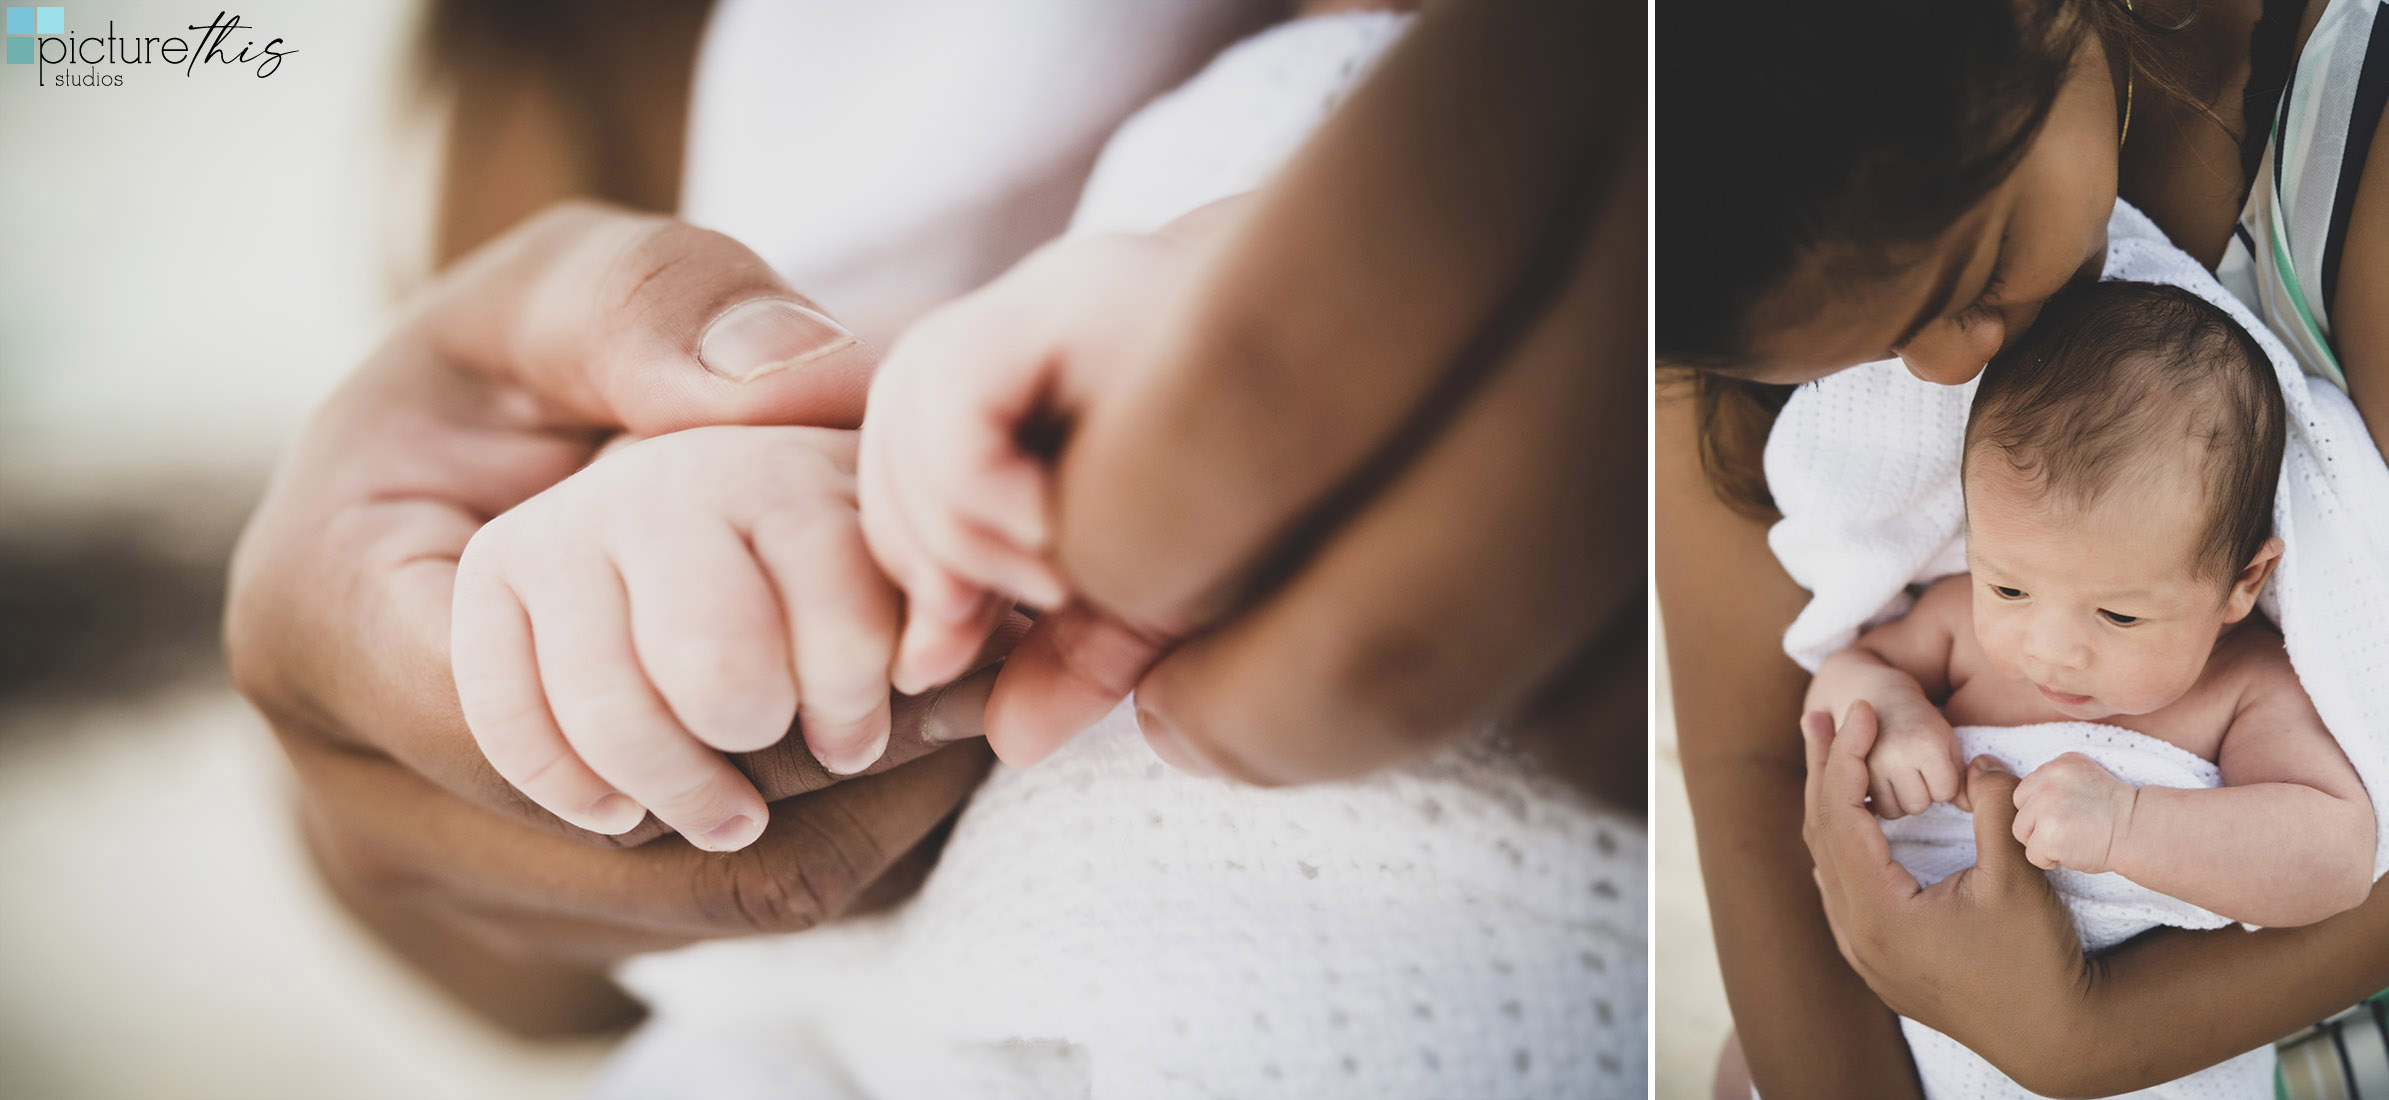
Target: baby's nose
{"type": "Point", "coordinates": [2052, 651]}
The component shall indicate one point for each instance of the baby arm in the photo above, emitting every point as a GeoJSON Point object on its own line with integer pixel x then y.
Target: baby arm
{"type": "Point", "coordinates": [681, 597]}
{"type": "Point", "coordinates": [2288, 840]}
{"type": "Point", "coordinates": [1899, 668]}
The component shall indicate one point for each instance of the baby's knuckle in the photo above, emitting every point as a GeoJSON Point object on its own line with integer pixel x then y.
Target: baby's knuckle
{"type": "Point", "coordinates": [842, 706]}
{"type": "Point", "coordinates": [596, 714]}
{"type": "Point", "coordinates": [714, 673]}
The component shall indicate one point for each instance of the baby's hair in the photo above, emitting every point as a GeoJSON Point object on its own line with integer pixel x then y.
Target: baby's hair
{"type": "Point", "coordinates": [2112, 370]}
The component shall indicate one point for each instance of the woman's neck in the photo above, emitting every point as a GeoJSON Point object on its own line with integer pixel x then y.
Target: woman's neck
{"type": "Point", "coordinates": [2181, 163]}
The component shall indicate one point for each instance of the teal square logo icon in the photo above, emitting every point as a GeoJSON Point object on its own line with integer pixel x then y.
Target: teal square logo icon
{"type": "Point", "coordinates": [31, 21]}
{"type": "Point", "coordinates": [37, 20]}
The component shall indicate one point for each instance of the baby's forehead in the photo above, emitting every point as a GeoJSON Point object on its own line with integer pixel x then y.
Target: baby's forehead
{"type": "Point", "coordinates": [2147, 518]}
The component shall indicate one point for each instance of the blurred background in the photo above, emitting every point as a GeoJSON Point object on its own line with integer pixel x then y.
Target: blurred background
{"type": "Point", "coordinates": [187, 265]}
{"type": "Point", "coordinates": [1689, 1018]}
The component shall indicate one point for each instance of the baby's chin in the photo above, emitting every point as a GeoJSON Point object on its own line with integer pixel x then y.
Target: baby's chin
{"type": "Point", "coordinates": [2101, 709]}
{"type": "Point", "coordinates": [2093, 711]}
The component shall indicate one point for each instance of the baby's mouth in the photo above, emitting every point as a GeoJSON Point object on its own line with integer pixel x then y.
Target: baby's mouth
{"type": "Point", "coordinates": [2063, 699]}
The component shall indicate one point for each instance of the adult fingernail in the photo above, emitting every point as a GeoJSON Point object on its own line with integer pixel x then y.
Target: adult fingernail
{"type": "Point", "coordinates": [856, 758]}
{"type": "Point", "coordinates": [958, 711]}
{"type": "Point", "coordinates": [756, 338]}
{"type": "Point", "coordinates": [1171, 747]}
{"type": "Point", "coordinates": [615, 814]}
{"type": "Point", "coordinates": [731, 835]}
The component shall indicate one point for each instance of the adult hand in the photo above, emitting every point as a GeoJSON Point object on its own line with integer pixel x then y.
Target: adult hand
{"type": "Point", "coordinates": [504, 378]}
{"type": "Point", "coordinates": [1379, 475]}
{"type": "Point", "coordinates": [1987, 955]}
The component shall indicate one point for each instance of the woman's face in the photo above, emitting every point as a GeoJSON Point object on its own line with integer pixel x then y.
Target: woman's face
{"type": "Point", "coordinates": [1959, 299]}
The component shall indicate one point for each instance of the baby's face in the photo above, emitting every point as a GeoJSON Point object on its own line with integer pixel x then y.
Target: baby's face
{"type": "Point", "coordinates": [2098, 607]}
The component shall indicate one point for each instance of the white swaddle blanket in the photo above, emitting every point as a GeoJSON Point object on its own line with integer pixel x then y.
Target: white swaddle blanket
{"type": "Point", "coordinates": [1101, 926]}
{"type": "Point", "coordinates": [1864, 465]}
{"type": "Point", "coordinates": [2107, 909]}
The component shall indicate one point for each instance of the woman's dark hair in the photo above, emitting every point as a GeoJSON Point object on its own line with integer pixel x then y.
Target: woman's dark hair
{"type": "Point", "coordinates": [1848, 127]}
{"type": "Point", "coordinates": [1840, 132]}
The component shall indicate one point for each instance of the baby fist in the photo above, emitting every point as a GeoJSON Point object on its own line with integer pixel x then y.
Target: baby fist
{"type": "Point", "coordinates": [1914, 762]}
{"type": "Point", "coordinates": [2072, 813]}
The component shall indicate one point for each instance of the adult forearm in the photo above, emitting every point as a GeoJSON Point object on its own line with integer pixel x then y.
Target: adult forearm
{"type": "Point", "coordinates": [1808, 1025]}
{"type": "Point", "coordinates": [526, 995]}
{"type": "Point", "coordinates": [2252, 989]}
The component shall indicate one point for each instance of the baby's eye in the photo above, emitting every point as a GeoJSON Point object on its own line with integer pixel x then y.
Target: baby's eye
{"type": "Point", "coordinates": [2006, 593]}
{"type": "Point", "coordinates": [2119, 620]}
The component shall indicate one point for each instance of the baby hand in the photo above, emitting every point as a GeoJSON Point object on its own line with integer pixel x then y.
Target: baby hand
{"type": "Point", "coordinates": [1914, 762]}
{"type": "Point", "coordinates": [680, 598]}
{"type": "Point", "coordinates": [966, 418]}
{"type": "Point", "coordinates": [2072, 813]}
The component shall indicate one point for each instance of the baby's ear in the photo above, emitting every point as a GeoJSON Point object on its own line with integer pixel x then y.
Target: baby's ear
{"type": "Point", "coordinates": [2251, 581]}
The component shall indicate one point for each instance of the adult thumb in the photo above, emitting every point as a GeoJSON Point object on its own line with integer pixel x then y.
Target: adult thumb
{"type": "Point", "coordinates": [1991, 790]}
{"type": "Point", "coordinates": [615, 319]}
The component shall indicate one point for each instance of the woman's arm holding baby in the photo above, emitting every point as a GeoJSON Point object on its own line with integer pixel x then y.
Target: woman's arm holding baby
{"type": "Point", "coordinates": [1808, 1026]}
{"type": "Point", "coordinates": [2042, 1015]}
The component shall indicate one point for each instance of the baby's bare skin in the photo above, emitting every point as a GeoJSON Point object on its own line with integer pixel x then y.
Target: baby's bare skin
{"type": "Point", "coordinates": [2249, 669]}
{"type": "Point", "coordinates": [2098, 612]}
{"type": "Point", "coordinates": [681, 597]}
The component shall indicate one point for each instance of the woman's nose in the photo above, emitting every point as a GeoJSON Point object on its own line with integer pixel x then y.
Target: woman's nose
{"type": "Point", "coordinates": [1951, 354]}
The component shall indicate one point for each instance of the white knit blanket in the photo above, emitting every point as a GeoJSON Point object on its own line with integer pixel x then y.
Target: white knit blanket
{"type": "Point", "coordinates": [1102, 926]}
{"type": "Point", "coordinates": [2107, 909]}
{"type": "Point", "coordinates": [1864, 465]}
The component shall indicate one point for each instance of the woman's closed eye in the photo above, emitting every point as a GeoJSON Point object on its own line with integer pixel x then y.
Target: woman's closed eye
{"type": "Point", "coordinates": [1982, 306]}
{"type": "Point", "coordinates": [2118, 618]}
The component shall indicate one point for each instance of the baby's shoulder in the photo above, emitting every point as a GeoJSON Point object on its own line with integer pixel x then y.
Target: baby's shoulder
{"type": "Point", "coordinates": [2253, 663]}
{"type": "Point", "coordinates": [1949, 599]}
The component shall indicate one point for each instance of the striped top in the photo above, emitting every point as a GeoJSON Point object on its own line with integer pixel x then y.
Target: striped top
{"type": "Point", "coordinates": [2283, 260]}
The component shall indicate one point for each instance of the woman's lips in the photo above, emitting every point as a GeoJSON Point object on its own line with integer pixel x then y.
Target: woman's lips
{"type": "Point", "coordinates": [2063, 699]}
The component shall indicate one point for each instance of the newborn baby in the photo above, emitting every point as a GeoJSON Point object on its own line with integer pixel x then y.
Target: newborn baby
{"type": "Point", "coordinates": [2119, 472]}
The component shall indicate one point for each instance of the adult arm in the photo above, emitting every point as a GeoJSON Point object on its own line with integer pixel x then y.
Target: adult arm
{"type": "Point", "coordinates": [1989, 957]}
{"type": "Point", "coordinates": [1384, 462]}
{"type": "Point", "coordinates": [1808, 1026]}
{"type": "Point", "coordinates": [2360, 304]}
